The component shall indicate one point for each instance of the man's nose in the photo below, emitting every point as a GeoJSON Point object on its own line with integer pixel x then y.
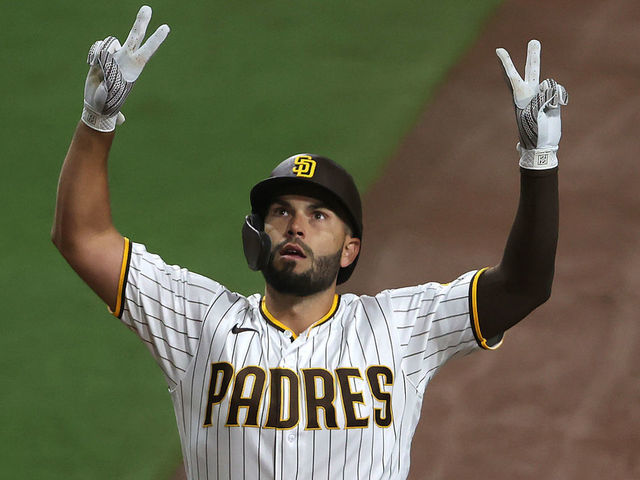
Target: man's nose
{"type": "Point", "coordinates": [296, 226]}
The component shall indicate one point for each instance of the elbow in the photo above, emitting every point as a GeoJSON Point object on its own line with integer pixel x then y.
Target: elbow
{"type": "Point", "coordinates": [539, 293]}
{"type": "Point", "coordinates": [65, 244]}
{"type": "Point", "coordinates": [55, 237]}
{"type": "Point", "coordinates": [530, 290]}
{"type": "Point", "coordinates": [543, 295]}
{"type": "Point", "coordinates": [63, 248]}
{"type": "Point", "coordinates": [58, 239]}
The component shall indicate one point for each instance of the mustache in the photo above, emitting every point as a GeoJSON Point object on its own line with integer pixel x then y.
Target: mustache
{"type": "Point", "coordinates": [305, 248]}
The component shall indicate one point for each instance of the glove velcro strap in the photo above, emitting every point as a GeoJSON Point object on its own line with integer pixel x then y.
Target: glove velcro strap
{"type": "Point", "coordinates": [101, 123]}
{"type": "Point", "coordinates": [539, 158]}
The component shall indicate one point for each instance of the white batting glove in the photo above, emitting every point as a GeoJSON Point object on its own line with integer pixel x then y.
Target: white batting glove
{"type": "Point", "coordinates": [537, 108]}
{"type": "Point", "coordinates": [114, 70]}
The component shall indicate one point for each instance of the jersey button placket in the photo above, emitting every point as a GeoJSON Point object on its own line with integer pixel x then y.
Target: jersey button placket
{"type": "Point", "coordinates": [289, 350]}
{"type": "Point", "coordinates": [291, 460]}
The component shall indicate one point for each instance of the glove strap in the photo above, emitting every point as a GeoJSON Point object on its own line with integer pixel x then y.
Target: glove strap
{"type": "Point", "coordinates": [538, 158]}
{"type": "Point", "coordinates": [98, 122]}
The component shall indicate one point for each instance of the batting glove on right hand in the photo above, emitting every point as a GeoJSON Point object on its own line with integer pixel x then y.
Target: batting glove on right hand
{"type": "Point", "coordinates": [537, 108]}
{"type": "Point", "coordinates": [114, 70]}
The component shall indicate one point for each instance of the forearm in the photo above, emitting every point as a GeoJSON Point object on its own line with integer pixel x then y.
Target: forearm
{"type": "Point", "coordinates": [82, 205]}
{"type": "Point", "coordinates": [522, 280]}
{"type": "Point", "coordinates": [529, 256]}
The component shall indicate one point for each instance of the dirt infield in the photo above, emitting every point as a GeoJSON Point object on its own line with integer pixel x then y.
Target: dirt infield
{"type": "Point", "coordinates": [561, 398]}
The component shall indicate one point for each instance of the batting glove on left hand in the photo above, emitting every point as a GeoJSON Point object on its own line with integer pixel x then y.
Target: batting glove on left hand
{"type": "Point", "coordinates": [537, 108]}
{"type": "Point", "coordinates": [114, 70]}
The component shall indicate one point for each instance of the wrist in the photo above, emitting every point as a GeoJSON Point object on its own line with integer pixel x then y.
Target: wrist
{"type": "Point", "coordinates": [543, 158]}
{"type": "Point", "coordinates": [101, 123]}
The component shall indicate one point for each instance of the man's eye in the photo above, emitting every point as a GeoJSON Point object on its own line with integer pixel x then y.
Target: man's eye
{"type": "Point", "coordinates": [319, 216]}
{"type": "Point", "coordinates": [280, 211]}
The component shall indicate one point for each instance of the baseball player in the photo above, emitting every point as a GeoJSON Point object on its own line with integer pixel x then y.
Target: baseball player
{"type": "Point", "coordinates": [300, 382]}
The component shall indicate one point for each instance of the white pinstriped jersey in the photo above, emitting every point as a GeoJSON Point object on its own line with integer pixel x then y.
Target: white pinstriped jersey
{"type": "Point", "coordinates": [254, 400]}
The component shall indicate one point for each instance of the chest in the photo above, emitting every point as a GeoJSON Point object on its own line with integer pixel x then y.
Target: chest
{"type": "Point", "coordinates": [341, 375]}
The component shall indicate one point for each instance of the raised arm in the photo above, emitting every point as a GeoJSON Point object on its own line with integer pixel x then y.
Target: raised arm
{"type": "Point", "coordinates": [83, 230]}
{"type": "Point", "coordinates": [522, 281]}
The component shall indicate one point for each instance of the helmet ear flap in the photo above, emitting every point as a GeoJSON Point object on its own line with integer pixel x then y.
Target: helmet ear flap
{"type": "Point", "coordinates": [255, 242]}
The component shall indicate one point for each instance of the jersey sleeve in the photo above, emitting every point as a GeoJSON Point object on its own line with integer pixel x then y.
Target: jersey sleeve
{"type": "Point", "coordinates": [165, 305]}
{"type": "Point", "coordinates": [436, 322]}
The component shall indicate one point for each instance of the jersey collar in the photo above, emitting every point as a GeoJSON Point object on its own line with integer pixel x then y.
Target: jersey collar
{"type": "Point", "coordinates": [273, 321]}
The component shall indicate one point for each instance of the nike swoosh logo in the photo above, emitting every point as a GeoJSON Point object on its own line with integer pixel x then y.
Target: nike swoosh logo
{"type": "Point", "coordinates": [236, 329]}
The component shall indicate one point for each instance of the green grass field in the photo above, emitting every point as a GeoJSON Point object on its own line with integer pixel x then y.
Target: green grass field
{"type": "Point", "coordinates": [237, 87]}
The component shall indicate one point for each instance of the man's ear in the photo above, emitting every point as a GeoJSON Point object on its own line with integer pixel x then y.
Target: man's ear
{"type": "Point", "coordinates": [350, 251]}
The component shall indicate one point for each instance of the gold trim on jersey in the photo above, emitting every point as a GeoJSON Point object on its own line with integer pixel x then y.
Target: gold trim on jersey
{"type": "Point", "coordinates": [124, 271]}
{"type": "Point", "coordinates": [475, 321]}
{"type": "Point", "coordinates": [273, 320]}
{"type": "Point", "coordinates": [332, 310]}
{"type": "Point", "coordinates": [282, 327]}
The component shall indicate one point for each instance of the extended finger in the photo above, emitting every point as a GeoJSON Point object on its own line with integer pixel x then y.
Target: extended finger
{"type": "Point", "coordinates": [139, 28]}
{"type": "Point", "coordinates": [532, 68]}
{"type": "Point", "coordinates": [509, 69]}
{"type": "Point", "coordinates": [147, 50]}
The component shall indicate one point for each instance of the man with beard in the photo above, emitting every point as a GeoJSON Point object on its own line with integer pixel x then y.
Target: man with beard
{"type": "Point", "coordinates": [300, 382]}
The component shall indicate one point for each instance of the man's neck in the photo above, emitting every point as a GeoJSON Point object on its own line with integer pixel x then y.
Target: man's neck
{"type": "Point", "coordinates": [299, 313]}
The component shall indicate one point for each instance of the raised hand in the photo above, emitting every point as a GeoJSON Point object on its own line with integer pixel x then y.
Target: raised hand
{"type": "Point", "coordinates": [114, 70]}
{"type": "Point", "coordinates": [537, 107]}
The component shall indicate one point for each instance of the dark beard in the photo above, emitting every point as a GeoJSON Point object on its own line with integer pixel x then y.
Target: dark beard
{"type": "Point", "coordinates": [318, 278]}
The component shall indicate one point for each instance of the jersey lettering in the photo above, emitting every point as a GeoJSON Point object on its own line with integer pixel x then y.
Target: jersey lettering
{"type": "Point", "coordinates": [251, 402]}
{"type": "Point", "coordinates": [224, 372]}
{"type": "Point", "coordinates": [324, 401]}
{"type": "Point", "coordinates": [318, 387]}
{"type": "Point", "coordinates": [284, 392]}
{"type": "Point", "coordinates": [373, 376]}
{"type": "Point", "coordinates": [350, 398]}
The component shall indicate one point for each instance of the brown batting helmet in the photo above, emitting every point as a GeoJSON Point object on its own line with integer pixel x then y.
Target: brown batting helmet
{"type": "Point", "coordinates": [303, 174]}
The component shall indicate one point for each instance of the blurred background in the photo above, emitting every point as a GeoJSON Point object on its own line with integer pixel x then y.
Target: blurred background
{"type": "Point", "coordinates": [409, 97]}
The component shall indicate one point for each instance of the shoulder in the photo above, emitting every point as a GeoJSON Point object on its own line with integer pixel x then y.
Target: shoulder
{"type": "Point", "coordinates": [430, 290]}
{"type": "Point", "coordinates": [148, 274]}
{"type": "Point", "coordinates": [144, 261]}
{"type": "Point", "coordinates": [412, 301]}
